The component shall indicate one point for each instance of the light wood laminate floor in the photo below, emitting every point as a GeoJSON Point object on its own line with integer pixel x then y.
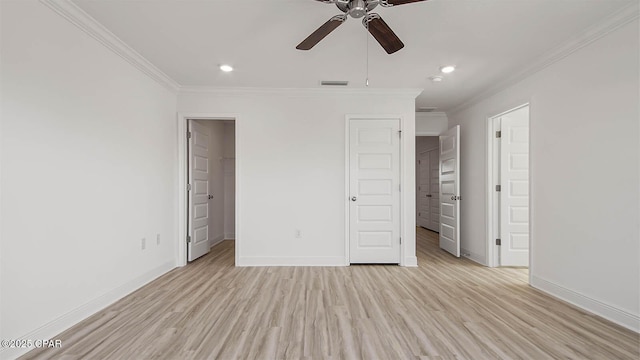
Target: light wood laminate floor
{"type": "Point", "coordinates": [447, 308]}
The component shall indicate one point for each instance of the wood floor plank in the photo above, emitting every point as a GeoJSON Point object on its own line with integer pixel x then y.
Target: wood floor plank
{"type": "Point", "coordinates": [447, 308]}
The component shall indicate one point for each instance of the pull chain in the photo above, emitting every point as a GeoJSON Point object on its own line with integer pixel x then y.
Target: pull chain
{"type": "Point", "coordinates": [367, 35]}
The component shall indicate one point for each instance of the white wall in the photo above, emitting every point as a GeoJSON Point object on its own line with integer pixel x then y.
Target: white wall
{"type": "Point", "coordinates": [291, 166]}
{"type": "Point", "coordinates": [584, 171]}
{"type": "Point", "coordinates": [229, 180]}
{"type": "Point", "coordinates": [88, 147]}
{"type": "Point", "coordinates": [216, 179]}
{"type": "Point", "coordinates": [431, 123]}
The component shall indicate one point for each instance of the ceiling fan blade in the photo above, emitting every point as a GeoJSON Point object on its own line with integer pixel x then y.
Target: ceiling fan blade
{"type": "Point", "coordinates": [383, 33]}
{"type": "Point", "coordinates": [322, 32]}
{"type": "Point", "coordinates": [388, 3]}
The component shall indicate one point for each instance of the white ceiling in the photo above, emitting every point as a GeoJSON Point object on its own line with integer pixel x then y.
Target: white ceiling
{"type": "Point", "coordinates": [487, 39]}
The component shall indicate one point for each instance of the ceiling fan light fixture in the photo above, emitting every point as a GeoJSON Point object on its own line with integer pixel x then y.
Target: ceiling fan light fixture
{"type": "Point", "coordinates": [447, 69]}
{"type": "Point", "coordinates": [357, 8]}
{"type": "Point", "coordinates": [226, 68]}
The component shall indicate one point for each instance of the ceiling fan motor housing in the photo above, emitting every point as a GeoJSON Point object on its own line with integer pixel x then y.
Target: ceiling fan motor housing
{"type": "Point", "coordinates": [356, 8]}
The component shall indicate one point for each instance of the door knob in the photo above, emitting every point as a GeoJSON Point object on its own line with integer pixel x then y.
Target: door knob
{"type": "Point", "coordinates": [210, 197]}
{"type": "Point", "coordinates": [354, 198]}
{"type": "Point", "coordinates": [429, 195]}
{"type": "Point", "coordinates": [453, 198]}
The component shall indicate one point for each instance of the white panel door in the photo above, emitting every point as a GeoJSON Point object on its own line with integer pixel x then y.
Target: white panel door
{"type": "Point", "coordinates": [423, 200]}
{"type": "Point", "coordinates": [198, 237]}
{"type": "Point", "coordinates": [374, 191]}
{"type": "Point", "coordinates": [434, 190]}
{"type": "Point", "coordinates": [514, 194]}
{"type": "Point", "coordinates": [450, 191]}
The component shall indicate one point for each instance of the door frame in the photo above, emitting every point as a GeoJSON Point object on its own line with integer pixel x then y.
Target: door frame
{"type": "Point", "coordinates": [183, 173]}
{"type": "Point", "coordinates": [407, 187]}
{"type": "Point", "coordinates": [490, 218]}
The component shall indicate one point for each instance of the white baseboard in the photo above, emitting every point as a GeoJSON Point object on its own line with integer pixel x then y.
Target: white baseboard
{"type": "Point", "coordinates": [291, 261]}
{"type": "Point", "coordinates": [480, 259]}
{"type": "Point", "coordinates": [229, 236]}
{"type": "Point", "coordinates": [411, 261]}
{"type": "Point", "coordinates": [64, 322]}
{"type": "Point", "coordinates": [213, 242]}
{"type": "Point", "coordinates": [609, 312]}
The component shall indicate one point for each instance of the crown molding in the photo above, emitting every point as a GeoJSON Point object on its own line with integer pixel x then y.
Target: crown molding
{"type": "Point", "coordinates": [608, 25]}
{"type": "Point", "coordinates": [74, 14]}
{"type": "Point", "coordinates": [302, 92]}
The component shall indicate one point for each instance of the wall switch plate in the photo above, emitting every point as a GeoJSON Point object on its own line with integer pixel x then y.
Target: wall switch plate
{"type": "Point", "coordinates": [158, 239]}
{"type": "Point", "coordinates": [298, 233]}
{"type": "Point", "coordinates": [143, 243]}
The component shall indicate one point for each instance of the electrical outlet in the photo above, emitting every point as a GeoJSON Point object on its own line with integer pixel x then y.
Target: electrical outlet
{"type": "Point", "coordinates": [143, 243]}
{"type": "Point", "coordinates": [298, 234]}
{"type": "Point", "coordinates": [157, 239]}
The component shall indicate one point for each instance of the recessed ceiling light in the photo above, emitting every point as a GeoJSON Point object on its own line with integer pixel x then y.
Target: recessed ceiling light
{"type": "Point", "coordinates": [226, 68]}
{"type": "Point", "coordinates": [448, 69]}
{"type": "Point", "coordinates": [436, 78]}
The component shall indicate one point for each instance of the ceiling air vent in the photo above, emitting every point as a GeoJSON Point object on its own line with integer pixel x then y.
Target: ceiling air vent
{"type": "Point", "coordinates": [333, 83]}
{"type": "Point", "coordinates": [426, 109]}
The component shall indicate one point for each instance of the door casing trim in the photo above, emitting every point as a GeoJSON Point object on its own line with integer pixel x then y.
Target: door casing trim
{"type": "Point", "coordinates": [492, 233]}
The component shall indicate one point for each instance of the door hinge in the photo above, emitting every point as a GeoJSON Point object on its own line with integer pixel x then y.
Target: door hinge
{"type": "Point", "coordinates": [419, 161]}
{"type": "Point", "coordinates": [419, 214]}
{"type": "Point", "coordinates": [399, 133]}
{"type": "Point", "coordinates": [399, 187]}
{"type": "Point", "coordinates": [188, 134]}
{"type": "Point", "coordinates": [419, 187]}
{"type": "Point", "coordinates": [498, 134]}
{"type": "Point", "coordinates": [498, 241]}
{"type": "Point", "coordinates": [188, 187]}
{"type": "Point", "coordinates": [400, 240]}
{"type": "Point", "coordinates": [498, 188]}
{"type": "Point", "coordinates": [188, 239]}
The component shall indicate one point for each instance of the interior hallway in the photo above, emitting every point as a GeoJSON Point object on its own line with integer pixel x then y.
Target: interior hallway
{"type": "Point", "coordinates": [446, 308]}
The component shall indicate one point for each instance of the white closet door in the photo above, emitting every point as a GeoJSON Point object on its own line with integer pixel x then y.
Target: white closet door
{"type": "Point", "coordinates": [198, 243]}
{"type": "Point", "coordinates": [514, 194]}
{"type": "Point", "coordinates": [450, 191]}
{"type": "Point", "coordinates": [374, 187]}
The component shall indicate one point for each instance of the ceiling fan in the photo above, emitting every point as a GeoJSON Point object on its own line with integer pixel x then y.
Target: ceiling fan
{"type": "Point", "coordinates": [372, 21]}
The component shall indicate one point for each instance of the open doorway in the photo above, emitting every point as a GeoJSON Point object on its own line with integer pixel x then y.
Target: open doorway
{"type": "Point", "coordinates": [207, 183]}
{"type": "Point", "coordinates": [211, 184]}
{"type": "Point", "coordinates": [508, 190]}
{"type": "Point", "coordinates": [427, 182]}
{"type": "Point", "coordinates": [438, 187]}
